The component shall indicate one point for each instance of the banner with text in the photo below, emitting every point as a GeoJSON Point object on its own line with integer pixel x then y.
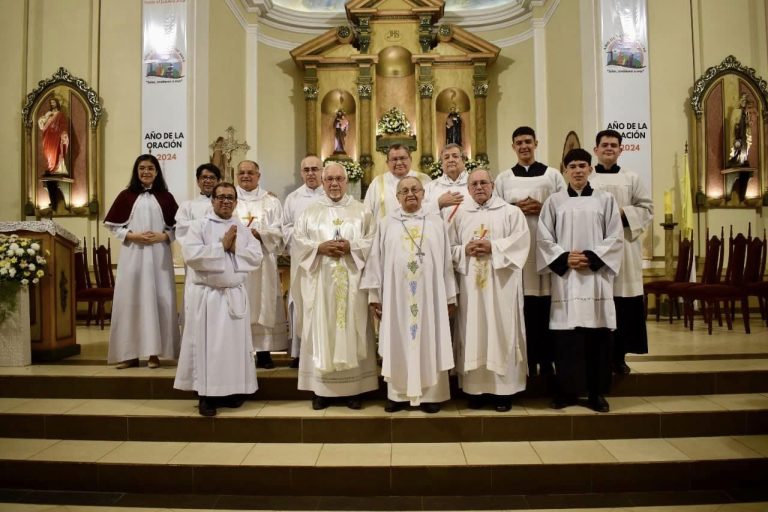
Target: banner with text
{"type": "Point", "coordinates": [626, 104]}
{"type": "Point", "coordinates": [164, 90]}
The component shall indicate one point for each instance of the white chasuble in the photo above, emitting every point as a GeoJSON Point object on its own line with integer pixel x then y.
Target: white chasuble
{"type": "Point", "coordinates": [381, 196]}
{"type": "Point", "coordinates": [636, 202]}
{"type": "Point", "coordinates": [261, 211]}
{"type": "Point", "coordinates": [513, 188]}
{"type": "Point", "coordinates": [435, 188]}
{"type": "Point", "coordinates": [581, 297]}
{"type": "Point", "coordinates": [491, 330]}
{"type": "Point", "coordinates": [144, 318]}
{"type": "Point", "coordinates": [410, 272]}
{"type": "Point", "coordinates": [337, 353]}
{"type": "Point", "coordinates": [216, 351]}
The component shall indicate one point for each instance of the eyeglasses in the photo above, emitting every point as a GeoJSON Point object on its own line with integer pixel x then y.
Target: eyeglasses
{"type": "Point", "coordinates": [309, 170]}
{"type": "Point", "coordinates": [225, 199]}
{"type": "Point", "coordinates": [399, 159]}
{"type": "Point", "coordinates": [406, 191]}
{"type": "Point", "coordinates": [481, 183]}
{"type": "Point", "coordinates": [208, 178]}
{"type": "Point", "coordinates": [334, 179]}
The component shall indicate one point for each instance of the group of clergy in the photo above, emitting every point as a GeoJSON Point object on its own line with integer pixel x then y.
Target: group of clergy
{"type": "Point", "coordinates": [496, 279]}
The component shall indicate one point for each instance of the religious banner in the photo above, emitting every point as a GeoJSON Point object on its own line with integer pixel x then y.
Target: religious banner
{"type": "Point", "coordinates": [626, 105]}
{"type": "Point", "coordinates": [164, 90]}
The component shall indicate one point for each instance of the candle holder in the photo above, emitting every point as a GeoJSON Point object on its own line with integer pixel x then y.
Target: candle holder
{"type": "Point", "coordinates": [669, 241]}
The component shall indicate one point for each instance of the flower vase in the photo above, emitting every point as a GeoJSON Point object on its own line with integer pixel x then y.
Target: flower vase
{"type": "Point", "coordinates": [15, 337]}
{"type": "Point", "coordinates": [354, 189]}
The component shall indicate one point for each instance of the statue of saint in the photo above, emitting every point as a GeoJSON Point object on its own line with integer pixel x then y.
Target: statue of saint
{"type": "Point", "coordinates": [340, 127]}
{"type": "Point", "coordinates": [742, 135]}
{"type": "Point", "coordinates": [54, 128]}
{"type": "Point", "coordinates": [453, 127]}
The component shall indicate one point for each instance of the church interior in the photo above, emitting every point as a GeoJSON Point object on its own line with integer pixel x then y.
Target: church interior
{"type": "Point", "coordinates": [276, 80]}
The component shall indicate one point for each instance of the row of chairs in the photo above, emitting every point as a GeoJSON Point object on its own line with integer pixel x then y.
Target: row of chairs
{"type": "Point", "coordinates": [100, 292]}
{"type": "Point", "coordinates": [743, 279]}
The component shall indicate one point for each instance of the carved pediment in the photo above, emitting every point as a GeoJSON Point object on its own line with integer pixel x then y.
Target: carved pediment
{"type": "Point", "coordinates": [383, 9]}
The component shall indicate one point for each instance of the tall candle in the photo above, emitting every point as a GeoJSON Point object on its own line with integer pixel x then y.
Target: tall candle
{"type": "Point", "coordinates": [668, 202]}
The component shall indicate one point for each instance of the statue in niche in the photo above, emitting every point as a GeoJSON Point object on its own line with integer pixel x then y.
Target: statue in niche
{"type": "Point", "coordinates": [453, 127]}
{"type": "Point", "coordinates": [54, 128]}
{"type": "Point", "coordinates": [340, 127]}
{"type": "Point", "coordinates": [742, 135]}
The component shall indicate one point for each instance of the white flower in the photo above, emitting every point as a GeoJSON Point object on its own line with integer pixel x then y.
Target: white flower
{"type": "Point", "coordinates": [40, 260]}
{"type": "Point", "coordinates": [31, 252]}
{"type": "Point", "coordinates": [35, 281]}
{"type": "Point", "coordinates": [13, 246]}
{"type": "Point", "coordinates": [11, 271]}
{"type": "Point", "coordinates": [32, 266]}
{"type": "Point", "coordinates": [19, 252]}
{"type": "Point", "coordinates": [35, 246]}
{"type": "Point", "coordinates": [25, 281]}
{"type": "Point", "coordinates": [9, 252]}
{"type": "Point", "coordinates": [3, 271]}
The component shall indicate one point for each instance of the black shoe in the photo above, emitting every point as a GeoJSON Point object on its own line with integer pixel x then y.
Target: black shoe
{"type": "Point", "coordinates": [354, 402]}
{"type": "Point", "coordinates": [231, 401]}
{"type": "Point", "coordinates": [393, 406]}
{"type": "Point", "coordinates": [562, 401]}
{"type": "Point", "coordinates": [264, 360]}
{"type": "Point", "coordinates": [598, 403]}
{"type": "Point", "coordinates": [503, 403]}
{"type": "Point", "coordinates": [295, 362]}
{"type": "Point", "coordinates": [475, 401]}
{"type": "Point", "coordinates": [206, 408]}
{"type": "Point", "coordinates": [430, 407]}
{"type": "Point", "coordinates": [319, 402]}
{"type": "Point", "coordinates": [621, 368]}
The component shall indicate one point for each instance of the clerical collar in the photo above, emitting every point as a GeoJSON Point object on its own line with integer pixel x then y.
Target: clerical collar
{"type": "Point", "coordinates": [492, 203]}
{"type": "Point", "coordinates": [250, 194]}
{"type": "Point", "coordinates": [204, 196]}
{"type": "Point", "coordinates": [344, 201]}
{"type": "Point", "coordinates": [600, 169]}
{"type": "Point", "coordinates": [215, 218]}
{"type": "Point", "coordinates": [415, 215]}
{"type": "Point", "coordinates": [586, 191]}
{"type": "Point", "coordinates": [535, 169]}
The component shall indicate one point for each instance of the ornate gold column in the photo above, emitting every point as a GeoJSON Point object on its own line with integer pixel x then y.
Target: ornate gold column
{"type": "Point", "coordinates": [426, 90]}
{"type": "Point", "coordinates": [310, 96]}
{"type": "Point", "coordinates": [364, 94]}
{"type": "Point", "coordinates": [480, 89]}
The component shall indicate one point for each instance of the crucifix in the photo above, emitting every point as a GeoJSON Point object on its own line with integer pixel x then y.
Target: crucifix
{"type": "Point", "coordinates": [223, 148]}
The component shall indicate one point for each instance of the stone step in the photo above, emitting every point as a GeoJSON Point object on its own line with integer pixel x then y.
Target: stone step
{"type": "Point", "coordinates": [669, 377]}
{"type": "Point", "coordinates": [530, 419]}
{"type": "Point", "coordinates": [388, 469]}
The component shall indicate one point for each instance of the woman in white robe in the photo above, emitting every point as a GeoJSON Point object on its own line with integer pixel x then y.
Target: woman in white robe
{"type": "Point", "coordinates": [144, 318]}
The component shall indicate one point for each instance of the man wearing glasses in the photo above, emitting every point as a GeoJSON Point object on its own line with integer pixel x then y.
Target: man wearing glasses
{"type": "Point", "coordinates": [490, 244]}
{"type": "Point", "coordinates": [295, 204]}
{"type": "Point", "coordinates": [262, 213]}
{"type": "Point", "coordinates": [216, 347]}
{"type": "Point", "coordinates": [380, 197]}
{"type": "Point", "coordinates": [331, 242]}
{"type": "Point", "coordinates": [412, 290]}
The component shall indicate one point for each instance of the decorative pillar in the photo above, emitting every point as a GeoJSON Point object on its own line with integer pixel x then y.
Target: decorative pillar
{"type": "Point", "coordinates": [364, 94]}
{"type": "Point", "coordinates": [310, 96]}
{"type": "Point", "coordinates": [480, 89]}
{"type": "Point", "coordinates": [669, 244]}
{"type": "Point", "coordinates": [426, 90]}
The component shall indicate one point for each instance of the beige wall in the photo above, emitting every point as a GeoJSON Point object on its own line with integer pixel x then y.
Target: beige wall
{"type": "Point", "coordinates": [99, 40]}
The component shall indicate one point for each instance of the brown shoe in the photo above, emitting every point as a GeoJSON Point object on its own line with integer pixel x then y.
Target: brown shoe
{"type": "Point", "coordinates": [127, 364]}
{"type": "Point", "coordinates": [154, 362]}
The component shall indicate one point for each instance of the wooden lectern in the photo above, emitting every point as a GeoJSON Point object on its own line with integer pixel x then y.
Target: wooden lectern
{"type": "Point", "coordinates": [52, 301]}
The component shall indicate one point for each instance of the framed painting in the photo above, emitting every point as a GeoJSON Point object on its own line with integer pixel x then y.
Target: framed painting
{"type": "Point", "coordinates": [60, 146]}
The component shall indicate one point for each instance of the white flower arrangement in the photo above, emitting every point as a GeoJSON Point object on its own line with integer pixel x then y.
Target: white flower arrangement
{"type": "Point", "coordinates": [435, 169]}
{"type": "Point", "coordinates": [354, 170]}
{"type": "Point", "coordinates": [21, 263]}
{"type": "Point", "coordinates": [393, 122]}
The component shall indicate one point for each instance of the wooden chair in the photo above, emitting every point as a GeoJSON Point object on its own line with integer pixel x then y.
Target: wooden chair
{"type": "Point", "coordinates": [713, 293]}
{"type": "Point", "coordinates": [105, 281]}
{"type": "Point", "coordinates": [84, 291]}
{"type": "Point", "coordinates": [713, 267]}
{"type": "Point", "coordinates": [756, 286]}
{"type": "Point", "coordinates": [682, 274]}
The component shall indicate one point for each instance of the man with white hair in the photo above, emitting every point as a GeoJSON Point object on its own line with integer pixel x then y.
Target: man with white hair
{"type": "Point", "coordinates": [295, 204]}
{"type": "Point", "coordinates": [331, 242]}
{"type": "Point", "coordinates": [448, 192]}
{"type": "Point", "coordinates": [381, 197]}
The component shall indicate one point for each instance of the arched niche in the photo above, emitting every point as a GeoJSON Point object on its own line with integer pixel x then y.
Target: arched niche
{"type": "Point", "coordinates": [396, 84]}
{"type": "Point", "coordinates": [61, 144]}
{"type": "Point", "coordinates": [338, 120]}
{"type": "Point", "coordinates": [730, 104]}
{"type": "Point", "coordinates": [453, 104]}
